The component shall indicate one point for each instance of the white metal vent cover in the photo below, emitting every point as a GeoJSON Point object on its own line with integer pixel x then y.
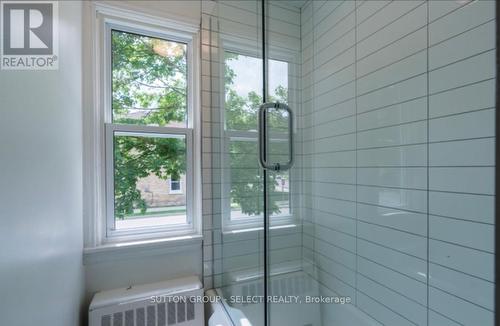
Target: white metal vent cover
{"type": "Point", "coordinates": [133, 306]}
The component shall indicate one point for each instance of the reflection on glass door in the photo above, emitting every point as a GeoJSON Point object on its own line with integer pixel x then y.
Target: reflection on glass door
{"type": "Point", "coordinates": [240, 253]}
{"type": "Point", "coordinates": [285, 276]}
{"type": "Point", "coordinates": [245, 258]}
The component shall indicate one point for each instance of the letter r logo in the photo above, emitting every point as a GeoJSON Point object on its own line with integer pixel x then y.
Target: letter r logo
{"type": "Point", "coordinates": [27, 28]}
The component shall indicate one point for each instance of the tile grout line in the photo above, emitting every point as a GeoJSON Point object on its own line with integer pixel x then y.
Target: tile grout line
{"type": "Point", "coordinates": [356, 141]}
{"type": "Point", "coordinates": [313, 145]}
{"type": "Point", "coordinates": [428, 161]}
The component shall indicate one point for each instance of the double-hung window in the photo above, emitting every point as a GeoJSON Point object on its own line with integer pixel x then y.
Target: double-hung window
{"type": "Point", "coordinates": [149, 125]}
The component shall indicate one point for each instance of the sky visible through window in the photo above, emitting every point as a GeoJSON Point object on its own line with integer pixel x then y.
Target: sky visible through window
{"type": "Point", "coordinates": [249, 74]}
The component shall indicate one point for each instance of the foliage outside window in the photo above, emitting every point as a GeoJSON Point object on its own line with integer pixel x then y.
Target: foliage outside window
{"type": "Point", "coordinates": [149, 130]}
{"type": "Point", "coordinates": [243, 96]}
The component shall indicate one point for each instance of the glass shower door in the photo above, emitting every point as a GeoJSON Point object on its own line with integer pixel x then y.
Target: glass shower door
{"type": "Point", "coordinates": [238, 251]}
{"type": "Point", "coordinates": [258, 260]}
{"type": "Point", "coordinates": [280, 148]}
{"type": "Point", "coordinates": [382, 219]}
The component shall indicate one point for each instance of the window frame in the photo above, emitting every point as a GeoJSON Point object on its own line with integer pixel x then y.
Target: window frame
{"type": "Point", "coordinates": [180, 191]}
{"type": "Point", "coordinates": [155, 132]}
{"type": "Point", "coordinates": [99, 129]}
{"type": "Point", "coordinates": [250, 222]}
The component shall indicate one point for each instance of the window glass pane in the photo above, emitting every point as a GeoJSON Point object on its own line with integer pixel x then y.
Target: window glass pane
{"type": "Point", "coordinates": [243, 96]}
{"type": "Point", "coordinates": [278, 81]}
{"type": "Point", "coordinates": [143, 164]}
{"type": "Point", "coordinates": [246, 183]}
{"type": "Point", "coordinates": [278, 142]}
{"type": "Point", "coordinates": [243, 91]}
{"type": "Point", "coordinates": [279, 193]}
{"type": "Point", "coordinates": [149, 80]}
{"type": "Point", "coordinates": [243, 88]}
{"type": "Point", "coordinates": [246, 187]}
{"type": "Point", "coordinates": [176, 185]}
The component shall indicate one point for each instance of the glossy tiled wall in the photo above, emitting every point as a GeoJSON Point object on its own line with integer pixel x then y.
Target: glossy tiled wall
{"type": "Point", "coordinates": [398, 157]}
{"type": "Point", "coordinates": [231, 253]}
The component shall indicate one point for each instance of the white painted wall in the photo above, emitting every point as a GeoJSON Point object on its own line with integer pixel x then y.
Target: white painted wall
{"type": "Point", "coordinates": [42, 278]}
{"type": "Point", "coordinates": [41, 272]}
{"type": "Point", "coordinates": [158, 265]}
{"type": "Point", "coordinates": [185, 10]}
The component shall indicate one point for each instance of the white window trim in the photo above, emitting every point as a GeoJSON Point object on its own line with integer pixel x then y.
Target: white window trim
{"type": "Point", "coordinates": [239, 46]}
{"type": "Point", "coordinates": [99, 17]}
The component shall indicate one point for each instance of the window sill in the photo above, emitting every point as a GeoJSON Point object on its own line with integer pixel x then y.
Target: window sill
{"type": "Point", "coordinates": [136, 249]}
{"type": "Point", "coordinates": [287, 226]}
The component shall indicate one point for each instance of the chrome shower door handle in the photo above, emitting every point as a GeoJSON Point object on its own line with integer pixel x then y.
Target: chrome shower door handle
{"type": "Point", "coordinates": [263, 137]}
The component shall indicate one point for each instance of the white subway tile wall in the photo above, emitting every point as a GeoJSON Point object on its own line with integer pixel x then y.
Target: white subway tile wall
{"type": "Point", "coordinates": [211, 126]}
{"type": "Point", "coordinates": [235, 26]}
{"type": "Point", "coordinates": [398, 111]}
{"type": "Point", "coordinates": [393, 180]}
